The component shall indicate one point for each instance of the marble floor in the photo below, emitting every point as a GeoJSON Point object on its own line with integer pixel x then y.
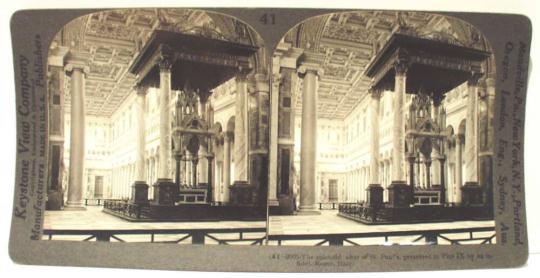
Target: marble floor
{"type": "Point", "coordinates": [328, 222]}
{"type": "Point", "coordinates": [94, 219]}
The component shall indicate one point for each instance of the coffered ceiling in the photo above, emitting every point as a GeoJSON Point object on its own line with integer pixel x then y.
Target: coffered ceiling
{"type": "Point", "coordinates": [108, 42]}
{"type": "Point", "coordinates": [348, 42]}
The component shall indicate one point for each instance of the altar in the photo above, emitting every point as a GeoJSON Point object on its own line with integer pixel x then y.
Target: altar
{"type": "Point", "coordinates": [187, 67]}
{"type": "Point", "coordinates": [420, 69]}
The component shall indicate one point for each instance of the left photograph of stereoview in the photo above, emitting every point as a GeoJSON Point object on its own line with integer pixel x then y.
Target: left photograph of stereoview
{"type": "Point", "coordinates": [158, 123]}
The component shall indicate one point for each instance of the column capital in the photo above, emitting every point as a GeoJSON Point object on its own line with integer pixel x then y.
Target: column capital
{"type": "Point", "coordinates": [203, 96]}
{"type": "Point", "coordinates": [76, 66]}
{"type": "Point", "coordinates": [242, 76]}
{"type": "Point", "coordinates": [474, 78]}
{"type": "Point", "coordinates": [490, 81]}
{"type": "Point", "coordinates": [311, 62]}
{"type": "Point", "coordinates": [311, 67]}
{"type": "Point", "coordinates": [166, 57]}
{"type": "Point", "coordinates": [276, 78]}
{"type": "Point", "coordinates": [437, 99]}
{"type": "Point", "coordinates": [375, 92]}
{"type": "Point", "coordinates": [140, 89]}
{"type": "Point", "coordinates": [401, 67]}
{"type": "Point", "coordinates": [459, 138]}
{"type": "Point", "coordinates": [165, 64]}
{"type": "Point", "coordinates": [228, 136]}
{"type": "Point", "coordinates": [260, 83]}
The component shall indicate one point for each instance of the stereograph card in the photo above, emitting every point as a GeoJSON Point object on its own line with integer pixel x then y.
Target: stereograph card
{"type": "Point", "coordinates": [299, 140]}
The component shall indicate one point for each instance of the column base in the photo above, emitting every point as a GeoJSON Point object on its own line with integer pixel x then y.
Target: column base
{"type": "Point", "coordinates": [273, 202]}
{"type": "Point", "coordinates": [283, 205]}
{"type": "Point", "coordinates": [374, 195]}
{"type": "Point", "coordinates": [242, 193]}
{"type": "Point", "coordinates": [165, 192]}
{"type": "Point", "coordinates": [54, 200]}
{"type": "Point", "coordinates": [139, 192]}
{"type": "Point", "coordinates": [308, 210]}
{"type": "Point", "coordinates": [471, 194]}
{"type": "Point", "coordinates": [74, 206]}
{"type": "Point", "coordinates": [399, 194]}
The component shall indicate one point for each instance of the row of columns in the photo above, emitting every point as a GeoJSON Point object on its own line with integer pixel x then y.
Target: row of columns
{"type": "Point", "coordinates": [121, 178]}
{"type": "Point", "coordinates": [355, 184]}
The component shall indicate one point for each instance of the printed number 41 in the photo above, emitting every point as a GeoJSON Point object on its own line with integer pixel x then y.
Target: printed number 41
{"type": "Point", "coordinates": [268, 19]}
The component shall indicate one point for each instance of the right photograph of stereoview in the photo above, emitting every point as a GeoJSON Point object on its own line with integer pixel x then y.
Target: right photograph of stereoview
{"type": "Point", "coordinates": [382, 132]}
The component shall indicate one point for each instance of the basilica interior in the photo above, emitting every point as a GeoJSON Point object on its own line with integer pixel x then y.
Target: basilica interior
{"type": "Point", "coordinates": [154, 108]}
{"type": "Point", "coordinates": [382, 109]}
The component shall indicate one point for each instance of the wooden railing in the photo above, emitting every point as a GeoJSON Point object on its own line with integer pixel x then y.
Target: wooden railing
{"type": "Point", "coordinates": [223, 236]}
{"type": "Point", "coordinates": [430, 237]}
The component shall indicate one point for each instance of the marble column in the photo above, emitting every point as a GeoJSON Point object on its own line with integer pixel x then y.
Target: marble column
{"type": "Point", "coordinates": [209, 176]}
{"type": "Point", "coordinates": [486, 151]}
{"type": "Point", "coordinates": [411, 159]}
{"type": "Point", "coordinates": [308, 151]}
{"type": "Point", "coordinates": [187, 164]}
{"type": "Point", "coordinates": [284, 65]}
{"type": "Point", "coordinates": [435, 171]}
{"type": "Point", "coordinates": [398, 191]}
{"type": "Point", "coordinates": [77, 72]}
{"type": "Point", "coordinates": [194, 163]}
{"type": "Point", "coordinates": [427, 167]}
{"type": "Point", "coordinates": [164, 118]}
{"type": "Point", "coordinates": [471, 130]}
{"type": "Point", "coordinates": [183, 167]}
{"type": "Point", "coordinates": [178, 165]}
{"type": "Point", "coordinates": [442, 182]}
{"type": "Point", "coordinates": [374, 190]}
{"type": "Point", "coordinates": [435, 115]}
{"type": "Point", "coordinates": [273, 141]}
{"type": "Point", "coordinates": [203, 150]}
{"type": "Point", "coordinates": [374, 142]}
{"type": "Point", "coordinates": [458, 168]}
{"type": "Point", "coordinates": [165, 190]}
{"type": "Point", "coordinates": [398, 139]}
{"type": "Point", "coordinates": [140, 187]}
{"type": "Point", "coordinates": [241, 131]}
{"type": "Point", "coordinates": [226, 165]}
